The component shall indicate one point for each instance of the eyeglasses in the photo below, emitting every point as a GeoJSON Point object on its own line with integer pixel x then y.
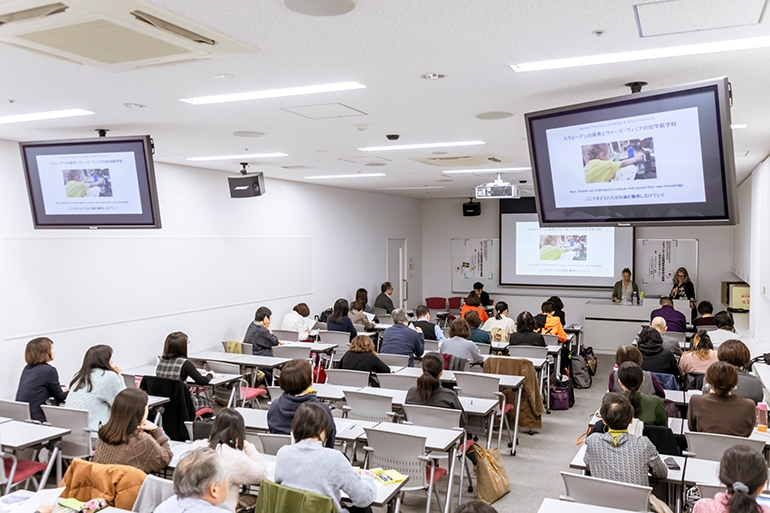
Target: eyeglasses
{"type": "Point", "coordinates": [680, 275]}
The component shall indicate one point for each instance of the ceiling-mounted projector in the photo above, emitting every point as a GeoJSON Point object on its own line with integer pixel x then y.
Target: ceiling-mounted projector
{"type": "Point", "coordinates": [497, 189]}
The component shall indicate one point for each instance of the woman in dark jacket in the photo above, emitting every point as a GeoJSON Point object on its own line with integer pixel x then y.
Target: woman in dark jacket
{"type": "Point", "coordinates": [39, 380]}
{"type": "Point", "coordinates": [339, 320]}
{"type": "Point", "coordinates": [525, 332]}
{"type": "Point", "coordinates": [654, 357]}
{"type": "Point", "coordinates": [361, 357]}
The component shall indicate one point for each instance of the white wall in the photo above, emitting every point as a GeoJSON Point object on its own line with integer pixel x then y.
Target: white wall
{"type": "Point", "coordinates": [443, 221]}
{"type": "Point", "coordinates": [349, 232]}
{"type": "Point", "coordinates": [760, 250]}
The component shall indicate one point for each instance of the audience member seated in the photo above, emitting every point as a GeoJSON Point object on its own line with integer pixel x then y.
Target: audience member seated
{"type": "Point", "coordinates": [128, 438]}
{"type": "Point", "coordinates": [618, 455]}
{"type": "Point", "coordinates": [308, 465]}
{"type": "Point", "coordinates": [299, 320]}
{"type": "Point", "coordinates": [478, 289]}
{"type": "Point", "coordinates": [95, 386]}
{"type": "Point", "coordinates": [402, 339]}
{"type": "Point", "coordinates": [458, 344]}
{"type": "Point", "coordinates": [362, 357]}
{"type": "Point", "coordinates": [259, 335]}
{"type": "Point", "coordinates": [705, 309]}
{"type": "Point", "coordinates": [358, 316]}
{"type": "Point", "coordinates": [477, 334]}
{"type": "Point", "coordinates": [737, 354]}
{"type": "Point", "coordinates": [720, 411]}
{"type": "Point", "coordinates": [650, 409]}
{"type": "Point", "coordinates": [631, 353]}
{"type": "Point", "coordinates": [383, 300]}
{"type": "Point", "coordinates": [363, 296]}
{"type": "Point", "coordinates": [430, 330]}
{"type": "Point", "coordinates": [173, 364]}
{"type": "Point", "coordinates": [339, 320]}
{"type": "Point", "coordinates": [548, 323]}
{"type": "Point", "coordinates": [743, 471]}
{"type": "Point", "coordinates": [429, 392]}
{"type": "Point", "coordinates": [200, 484]}
{"type": "Point", "coordinates": [675, 320]}
{"type": "Point", "coordinates": [473, 303]}
{"type": "Point", "coordinates": [296, 379]}
{"type": "Point", "coordinates": [670, 343]}
{"type": "Point", "coordinates": [558, 309]}
{"type": "Point", "coordinates": [700, 357]}
{"type": "Point", "coordinates": [242, 462]}
{"type": "Point", "coordinates": [654, 357]}
{"type": "Point", "coordinates": [725, 329]}
{"type": "Point", "coordinates": [39, 380]}
{"type": "Point", "coordinates": [500, 320]}
{"type": "Point", "coordinates": [525, 332]}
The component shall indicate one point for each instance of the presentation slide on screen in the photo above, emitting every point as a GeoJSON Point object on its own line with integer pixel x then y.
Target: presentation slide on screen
{"type": "Point", "coordinates": [643, 160]}
{"type": "Point", "coordinates": [585, 252]}
{"type": "Point", "coordinates": [101, 183]}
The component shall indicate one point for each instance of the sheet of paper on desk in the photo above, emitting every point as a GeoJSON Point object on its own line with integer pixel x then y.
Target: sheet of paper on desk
{"type": "Point", "coordinates": [48, 496]}
{"type": "Point", "coordinates": [369, 316]}
{"type": "Point", "coordinates": [179, 450]}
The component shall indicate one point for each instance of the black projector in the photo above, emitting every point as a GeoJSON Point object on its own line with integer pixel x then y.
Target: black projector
{"type": "Point", "coordinates": [246, 185]}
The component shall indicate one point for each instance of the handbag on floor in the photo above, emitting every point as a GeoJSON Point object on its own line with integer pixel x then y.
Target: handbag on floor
{"type": "Point", "coordinates": [559, 398]}
{"type": "Point", "coordinates": [491, 477]}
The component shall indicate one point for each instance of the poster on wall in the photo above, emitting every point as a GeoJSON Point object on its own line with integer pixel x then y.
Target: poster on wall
{"type": "Point", "coordinates": [657, 260]}
{"type": "Point", "coordinates": [475, 260]}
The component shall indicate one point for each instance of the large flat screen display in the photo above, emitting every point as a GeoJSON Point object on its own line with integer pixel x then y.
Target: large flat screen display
{"type": "Point", "coordinates": [92, 183]}
{"type": "Point", "coordinates": [661, 157]}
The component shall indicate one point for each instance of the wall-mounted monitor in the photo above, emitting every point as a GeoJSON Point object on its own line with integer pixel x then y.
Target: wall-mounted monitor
{"type": "Point", "coordinates": [662, 157]}
{"type": "Point", "coordinates": [92, 183]}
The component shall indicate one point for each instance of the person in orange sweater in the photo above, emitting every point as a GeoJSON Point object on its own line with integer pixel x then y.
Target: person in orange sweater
{"type": "Point", "coordinates": [473, 302]}
{"type": "Point", "coordinates": [548, 323]}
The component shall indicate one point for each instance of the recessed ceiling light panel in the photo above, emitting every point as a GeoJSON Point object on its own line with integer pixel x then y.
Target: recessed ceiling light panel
{"type": "Point", "coordinates": [247, 156]}
{"type": "Point", "coordinates": [274, 93]}
{"type": "Point", "coordinates": [248, 133]}
{"type": "Point", "coordinates": [417, 188]}
{"type": "Point", "coordinates": [39, 116]}
{"type": "Point", "coordinates": [494, 114]}
{"type": "Point", "coordinates": [738, 126]}
{"type": "Point", "coordinates": [320, 7]}
{"type": "Point", "coordinates": [133, 105]}
{"type": "Point", "coordinates": [484, 171]}
{"type": "Point", "coordinates": [224, 76]}
{"type": "Point", "coordinates": [355, 175]}
{"type": "Point", "coordinates": [432, 76]}
{"type": "Point", "coordinates": [421, 146]}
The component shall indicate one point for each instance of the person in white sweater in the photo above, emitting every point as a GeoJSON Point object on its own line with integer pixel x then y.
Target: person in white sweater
{"type": "Point", "coordinates": [308, 465]}
{"type": "Point", "coordinates": [299, 320]}
{"type": "Point", "coordinates": [95, 386]}
{"type": "Point", "coordinates": [243, 463]}
{"type": "Point", "coordinates": [500, 320]}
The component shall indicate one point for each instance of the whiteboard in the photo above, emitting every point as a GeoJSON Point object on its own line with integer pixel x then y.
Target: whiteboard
{"type": "Point", "coordinates": [475, 260]}
{"type": "Point", "coordinates": [656, 262]}
{"type": "Point", "coordinates": [90, 282]}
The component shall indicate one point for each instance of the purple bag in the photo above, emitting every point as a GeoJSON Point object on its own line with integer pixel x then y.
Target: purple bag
{"type": "Point", "coordinates": [559, 398]}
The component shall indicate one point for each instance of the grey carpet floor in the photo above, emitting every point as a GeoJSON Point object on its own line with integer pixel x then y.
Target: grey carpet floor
{"type": "Point", "coordinates": [534, 471]}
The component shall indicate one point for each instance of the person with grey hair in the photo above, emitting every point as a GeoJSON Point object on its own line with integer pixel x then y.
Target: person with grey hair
{"type": "Point", "coordinates": [200, 484]}
{"type": "Point", "coordinates": [670, 343]}
{"type": "Point", "coordinates": [402, 338]}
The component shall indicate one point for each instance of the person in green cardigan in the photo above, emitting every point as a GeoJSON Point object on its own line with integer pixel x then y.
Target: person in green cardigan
{"type": "Point", "coordinates": [623, 291]}
{"type": "Point", "coordinates": [650, 409]}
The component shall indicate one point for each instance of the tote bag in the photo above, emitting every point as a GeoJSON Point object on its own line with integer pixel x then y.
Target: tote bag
{"type": "Point", "coordinates": [491, 477]}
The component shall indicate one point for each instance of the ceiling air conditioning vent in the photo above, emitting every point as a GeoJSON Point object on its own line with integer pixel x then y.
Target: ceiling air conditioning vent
{"type": "Point", "coordinates": [116, 35]}
{"type": "Point", "coordinates": [32, 13]}
{"type": "Point", "coordinates": [465, 160]}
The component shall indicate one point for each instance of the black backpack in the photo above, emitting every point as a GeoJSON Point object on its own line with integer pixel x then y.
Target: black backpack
{"type": "Point", "coordinates": [324, 315]}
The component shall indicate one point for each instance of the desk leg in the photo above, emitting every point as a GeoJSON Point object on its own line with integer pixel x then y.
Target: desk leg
{"type": "Point", "coordinates": [462, 469]}
{"type": "Point", "coordinates": [516, 422]}
{"type": "Point", "coordinates": [394, 506]}
{"type": "Point", "coordinates": [491, 428]}
{"type": "Point", "coordinates": [232, 397]}
{"type": "Point", "coordinates": [448, 500]}
{"type": "Point", "coordinates": [53, 459]}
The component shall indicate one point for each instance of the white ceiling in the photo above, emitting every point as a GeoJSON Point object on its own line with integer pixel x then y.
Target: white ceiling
{"type": "Point", "coordinates": [387, 45]}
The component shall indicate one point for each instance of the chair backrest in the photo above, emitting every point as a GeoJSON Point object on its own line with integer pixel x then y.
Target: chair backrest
{"type": "Point", "coordinates": [677, 335]}
{"type": "Point", "coordinates": [484, 348]}
{"type": "Point", "coordinates": [473, 384]}
{"type": "Point", "coordinates": [341, 338]}
{"type": "Point", "coordinates": [275, 392]}
{"type": "Point", "coordinates": [129, 380]}
{"type": "Point", "coordinates": [436, 303]}
{"type": "Point", "coordinates": [247, 348]}
{"type": "Point", "coordinates": [293, 352]}
{"type": "Point", "coordinates": [319, 325]}
{"type": "Point", "coordinates": [431, 346]}
{"type": "Point", "coordinates": [271, 442]}
{"type": "Point", "coordinates": [446, 331]}
{"type": "Point", "coordinates": [276, 498]}
{"type": "Point", "coordinates": [693, 381]}
{"type": "Point", "coordinates": [77, 444]}
{"type": "Point", "coordinates": [379, 311]}
{"type": "Point", "coordinates": [667, 381]}
{"type": "Point", "coordinates": [398, 451]}
{"type": "Point", "coordinates": [431, 416]}
{"type": "Point", "coordinates": [385, 318]}
{"type": "Point", "coordinates": [396, 381]}
{"type": "Point", "coordinates": [363, 406]}
{"type": "Point", "coordinates": [154, 490]}
{"type": "Point", "coordinates": [709, 446]}
{"type": "Point", "coordinates": [602, 492]}
{"type": "Point", "coordinates": [707, 327]}
{"type": "Point", "coordinates": [455, 303]}
{"type": "Point", "coordinates": [349, 378]}
{"type": "Point", "coordinates": [395, 360]}
{"type": "Point", "coordinates": [708, 491]}
{"type": "Point", "coordinates": [550, 340]}
{"type": "Point", "coordinates": [15, 410]}
{"type": "Point", "coordinates": [224, 368]}
{"type": "Point", "coordinates": [528, 351]}
{"type": "Point", "coordinates": [286, 335]}
{"type": "Point", "coordinates": [360, 328]}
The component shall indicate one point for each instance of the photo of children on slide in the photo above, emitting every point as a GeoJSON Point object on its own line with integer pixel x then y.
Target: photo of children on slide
{"type": "Point", "coordinates": [563, 247]}
{"type": "Point", "coordinates": [91, 183]}
{"type": "Point", "coordinates": [620, 161]}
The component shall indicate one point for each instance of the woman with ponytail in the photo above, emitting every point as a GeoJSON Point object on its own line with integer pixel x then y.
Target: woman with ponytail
{"type": "Point", "coordinates": [650, 409]}
{"type": "Point", "coordinates": [700, 357]}
{"type": "Point", "coordinates": [744, 472]}
{"type": "Point", "coordinates": [500, 320]}
{"type": "Point", "coordinates": [428, 391]}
